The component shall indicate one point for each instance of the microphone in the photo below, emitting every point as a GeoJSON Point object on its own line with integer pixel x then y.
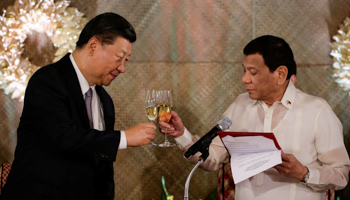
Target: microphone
{"type": "Point", "coordinates": [205, 141]}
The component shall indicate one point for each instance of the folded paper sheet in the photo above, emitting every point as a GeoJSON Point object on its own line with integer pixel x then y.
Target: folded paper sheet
{"type": "Point", "coordinates": [251, 153]}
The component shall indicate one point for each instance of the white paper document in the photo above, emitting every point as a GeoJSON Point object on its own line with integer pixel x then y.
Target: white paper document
{"type": "Point", "coordinates": [251, 155]}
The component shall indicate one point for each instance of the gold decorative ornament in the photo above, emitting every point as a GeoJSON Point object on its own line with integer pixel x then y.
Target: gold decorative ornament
{"type": "Point", "coordinates": [61, 24]}
{"type": "Point", "coordinates": [341, 55]}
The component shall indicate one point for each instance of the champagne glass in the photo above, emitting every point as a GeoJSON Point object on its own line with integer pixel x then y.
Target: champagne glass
{"type": "Point", "coordinates": [165, 106]}
{"type": "Point", "coordinates": [151, 108]}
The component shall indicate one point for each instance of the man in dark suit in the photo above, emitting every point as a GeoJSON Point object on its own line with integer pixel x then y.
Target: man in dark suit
{"type": "Point", "coordinates": [62, 153]}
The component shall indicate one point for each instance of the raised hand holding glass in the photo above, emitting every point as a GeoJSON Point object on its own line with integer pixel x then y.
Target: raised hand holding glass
{"type": "Point", "coordinates": [165, 107]}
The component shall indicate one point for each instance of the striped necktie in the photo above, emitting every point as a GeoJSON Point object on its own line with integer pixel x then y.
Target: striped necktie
{"type": "Point", "coordinates": [226, 186]}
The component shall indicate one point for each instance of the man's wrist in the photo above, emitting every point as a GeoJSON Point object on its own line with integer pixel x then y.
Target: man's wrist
{"type": "Point", "coordinates": [306, 176]}
{"type": "Point", "coordinates": [184, 140]}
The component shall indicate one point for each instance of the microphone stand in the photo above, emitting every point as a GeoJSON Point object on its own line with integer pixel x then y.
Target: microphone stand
{"type": "Point", "coordinates": [187, 185]}
{"type": "Point", "coordinates": [205, 153]}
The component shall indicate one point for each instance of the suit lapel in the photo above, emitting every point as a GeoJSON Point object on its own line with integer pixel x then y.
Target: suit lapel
{"type": "Point", "coordinates": [108, 107]}
{"type": "Point", "coordinates": [73, 87]}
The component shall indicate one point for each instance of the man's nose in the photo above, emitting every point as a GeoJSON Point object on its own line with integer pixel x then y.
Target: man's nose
{"type": "Point", "coordinates": [121, 68]}
{"type": "Point", "coordinates": [245, 78]}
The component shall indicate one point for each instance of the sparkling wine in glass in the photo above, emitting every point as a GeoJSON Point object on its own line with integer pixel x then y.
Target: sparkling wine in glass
{"type": "Point", "coordinates": [151, 108]}
{"type": "Point", "coordinates": [165, 106]}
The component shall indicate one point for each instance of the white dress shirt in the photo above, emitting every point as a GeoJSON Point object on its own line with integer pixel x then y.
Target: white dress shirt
{"type": "Point", "coordinates": [304, 126]}
{"type": "Point", "coordinates": [97, 112]}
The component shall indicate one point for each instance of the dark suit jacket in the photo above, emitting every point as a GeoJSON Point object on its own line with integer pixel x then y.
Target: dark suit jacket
{"type": "Point", "coordinates": [56, 149]}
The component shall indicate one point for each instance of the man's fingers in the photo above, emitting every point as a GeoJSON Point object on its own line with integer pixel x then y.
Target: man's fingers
{"type": "Point", "coordinates": [151, 136]}
{"type": "Point", "coordinates": [163, 124]}
{"type": "Point", "coordinates": [284, 157]}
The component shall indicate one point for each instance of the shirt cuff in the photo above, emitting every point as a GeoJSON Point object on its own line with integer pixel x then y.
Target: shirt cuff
{"type": "Point", "coordinates": [122, 143]}
{"type": "Point", "coordinates": [184, 140]}
{"type": "Point", "coordinates": [314, 176]}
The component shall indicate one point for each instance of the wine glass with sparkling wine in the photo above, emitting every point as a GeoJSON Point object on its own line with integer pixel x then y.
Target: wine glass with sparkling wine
{"type": "Point", "coordinates": [151, 108]}
{"type": "Point", "coordinates": [165, 106]}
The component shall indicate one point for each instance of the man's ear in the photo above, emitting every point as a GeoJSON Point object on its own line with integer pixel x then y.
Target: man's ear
{"type": "Point", "coordinates": [282, 72]}
{"type": "Point", "coordinates": [92, 44]}
{"type": "Point", "coordinates": [293, 78]}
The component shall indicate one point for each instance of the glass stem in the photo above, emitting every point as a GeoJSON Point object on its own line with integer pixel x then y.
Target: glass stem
{"type": "Point", "coordinates": [166, 138]}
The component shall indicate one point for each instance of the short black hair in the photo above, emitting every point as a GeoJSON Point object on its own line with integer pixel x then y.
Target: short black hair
{"type": "Point", "coordinates": [106, 27]}
{"type": "Point", "coordinates": [275, 52]}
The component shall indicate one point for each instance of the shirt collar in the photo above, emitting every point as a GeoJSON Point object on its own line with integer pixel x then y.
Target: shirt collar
{"type": "Point", "coordinates": [84, 85]}
{"type": "Point", "coordinates": [288, 97]}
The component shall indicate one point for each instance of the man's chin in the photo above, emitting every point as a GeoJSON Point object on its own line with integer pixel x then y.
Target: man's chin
{"type": "Point", "coordinates": [106, 83]}
{"type": "Point", "coordinates": [253, 97]}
